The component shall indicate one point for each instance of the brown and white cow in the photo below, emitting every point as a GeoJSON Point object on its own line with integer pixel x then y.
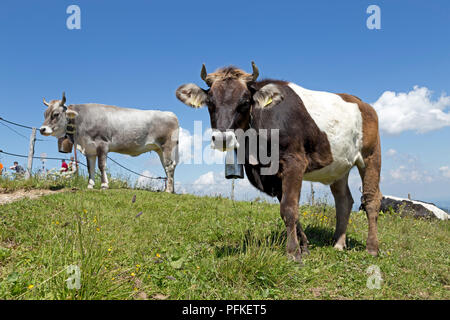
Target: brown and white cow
{"type": "Point", "coordinates": [322, 136]}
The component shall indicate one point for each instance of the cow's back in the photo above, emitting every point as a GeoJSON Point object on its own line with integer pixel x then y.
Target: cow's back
{"type": "Point", "coordinates": [126, 130]}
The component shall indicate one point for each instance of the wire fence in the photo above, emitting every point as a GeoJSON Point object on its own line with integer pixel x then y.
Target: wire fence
{"type": "Point", "coordinates": [79, 162]}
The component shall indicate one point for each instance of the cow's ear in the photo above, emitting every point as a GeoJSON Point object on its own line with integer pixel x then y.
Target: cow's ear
{"type": "Point", "coordinates": [268, 96]}
{"type": "Point", "coordinates": [192, 95]}
{"type": "Point", "coordinates": [71, 114]}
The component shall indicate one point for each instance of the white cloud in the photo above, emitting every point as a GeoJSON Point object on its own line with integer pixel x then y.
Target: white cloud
{"type": "Point", "coordinates": [185, 141]}
{"type": "Point", "coordinates": [412, 110]}
{"type": "Point", "coordinates": [391, 152]}
{"type": "Point", "coordinates": [445, 171]}
{"type": "Point", "coordinates": [210, 178]}
{"type": "Point", "coordinates": [214, 183]}
{"type": "Point", "coordinates": [147, 183]}
{"type": "Point", "coordinates": [188, 149]}
{"type": "Point", "coordinates": [410, 174]}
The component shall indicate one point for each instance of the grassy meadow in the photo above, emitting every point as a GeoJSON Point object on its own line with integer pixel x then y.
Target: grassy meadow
{"type": "Point", "coordinates": [168, 246]}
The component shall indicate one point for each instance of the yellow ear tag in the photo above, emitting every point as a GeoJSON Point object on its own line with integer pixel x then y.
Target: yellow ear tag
{"type": "Point", "coordinates": [269, 101]}
{"type": "Point", "coordinates": [196, 103]}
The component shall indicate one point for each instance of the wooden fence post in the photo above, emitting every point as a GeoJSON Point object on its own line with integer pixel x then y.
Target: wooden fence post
{"type": "Point", "coordinates": [312, 194]}
{"type": "Point", "coordinates": [232, 189]}
{"type": "Point", "coordinates": [75, 158]}
{"type": "Point", "coordinates": [30, 154]}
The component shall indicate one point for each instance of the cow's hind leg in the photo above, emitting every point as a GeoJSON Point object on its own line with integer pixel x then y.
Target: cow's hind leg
{"type": "Point", "coordinates": [343, 202]}
{"type": "Point", "coordinates": [91, 170]}
{"type": "Point", "coordinates": [371, 199]}
{"type": "Point", "coordinates": [169, 158]}
{"type": "Point", "coordinates": [102, 155]}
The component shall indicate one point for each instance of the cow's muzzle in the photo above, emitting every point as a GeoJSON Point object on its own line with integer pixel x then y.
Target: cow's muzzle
{"type": "Point", "coordinates": [224, 141]}
{"type": "Point", "coordinates": [45, 130]}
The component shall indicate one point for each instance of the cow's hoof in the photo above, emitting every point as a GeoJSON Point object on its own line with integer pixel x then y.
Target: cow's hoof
{"type": "Point", "coordinates": [296, 257]}
{"type": "Point", "coordinates": [104, 186]}
{"type": "Point", "coordinates": [339, 246]}
{"type": "Point", "coordinates": [372, 247]}
{"type": "Point", "coordinates": [305, 250]}
{"type": "Point", "coordinates": [90, 186]}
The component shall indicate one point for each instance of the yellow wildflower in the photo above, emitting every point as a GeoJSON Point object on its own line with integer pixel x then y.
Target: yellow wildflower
{"type": "Point", "coordinates": [133, 274]}
{"type": "Point", "coordinates": [158, 255]}
{"type": "Point", "coordinates": [31, 286]}
{"type": "Point", "coordinates": [85, 211]}
{"type": "Point", "coordinates": [109, 249]}
{"type": "Point", "coordinates": [98, 229]}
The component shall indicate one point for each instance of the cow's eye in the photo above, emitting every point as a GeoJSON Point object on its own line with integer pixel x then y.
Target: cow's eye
{"type": "Point", "coordinates": [55, 115]}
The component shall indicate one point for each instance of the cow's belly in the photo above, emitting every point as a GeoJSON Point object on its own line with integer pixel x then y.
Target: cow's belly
{"type": "Point", "coordinates": [133, 143]}
{"type": "Point", "coordinates": [134, 150]}
{"type": "Point", "coordinates": [342, 123]}
{"type": "Point", "coordinates": [140, 144]}
{"type": "Point", "coordinates": [329, 174]}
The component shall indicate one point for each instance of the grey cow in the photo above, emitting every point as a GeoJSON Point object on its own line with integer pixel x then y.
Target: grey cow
{"type": "Point", "coordinates": [101, 129]}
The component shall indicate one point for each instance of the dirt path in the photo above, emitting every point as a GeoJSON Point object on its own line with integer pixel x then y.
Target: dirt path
{"type": "Point", "coordinates": [20, 194]}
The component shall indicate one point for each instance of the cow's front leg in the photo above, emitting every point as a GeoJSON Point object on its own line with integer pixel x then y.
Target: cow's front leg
{"type": "Point", "coordinates": [303, 239]}
{"type": "Point", "coordinates": [301, 235]}
{"type": "Point", "coordinates": [292, 174]}
{"type": "Point", "coordinates": [91, 170]}
{"type": "Point", "coordinates": [168, 157]}
{"type": "Point", "coordinates": [102, 167]}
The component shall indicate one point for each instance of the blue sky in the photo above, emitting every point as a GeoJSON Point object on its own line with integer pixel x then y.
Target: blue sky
{"type": "Point", "coordinates": [136, 53]}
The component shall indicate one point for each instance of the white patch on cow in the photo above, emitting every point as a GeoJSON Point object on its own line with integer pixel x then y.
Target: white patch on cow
{"type": "Point", "coordinates": [440, 214]}
{"type": "Point", "coordinates": [342, 123]}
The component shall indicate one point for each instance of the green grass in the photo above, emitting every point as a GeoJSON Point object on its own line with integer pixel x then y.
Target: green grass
{"type": "Point", "coordinates": [188, 247]}
{"type": "Point", "coordinates": [56, 182]}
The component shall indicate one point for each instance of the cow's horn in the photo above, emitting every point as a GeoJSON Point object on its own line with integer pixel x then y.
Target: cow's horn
{"type": "Point", "coordinates": [63, 100]}
{"type": "Point", "coordinates": [45, 102]}
{"type": "Point", "coordinates": [255, 71]}
{"type": "Point", "coordinates": [203, 73]}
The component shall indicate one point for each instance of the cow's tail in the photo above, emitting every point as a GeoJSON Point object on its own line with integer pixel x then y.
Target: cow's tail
{"type": "Point", "coordinates": [175, 150]}
{"type": "Point", "coordinates": [177, 154]}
